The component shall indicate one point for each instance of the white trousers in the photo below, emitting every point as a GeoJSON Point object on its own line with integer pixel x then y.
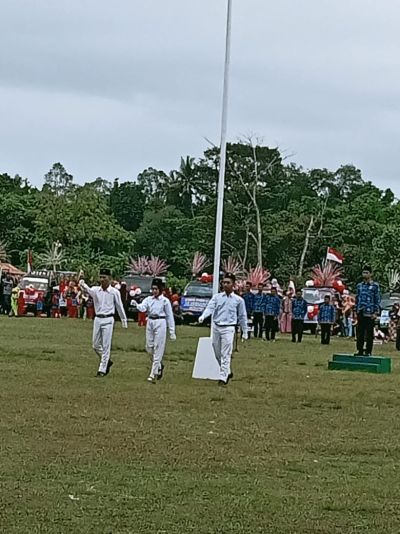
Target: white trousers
{"type": "Point", "coordinates": [102, 336]}
{"type": "Point", "coordinates": [222, 341]}
{"type": "Point", "coordinates": [156, 335]}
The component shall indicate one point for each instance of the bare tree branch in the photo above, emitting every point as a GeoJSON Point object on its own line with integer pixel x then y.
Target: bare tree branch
{"type": "Point", "coordinates": [306, 244]}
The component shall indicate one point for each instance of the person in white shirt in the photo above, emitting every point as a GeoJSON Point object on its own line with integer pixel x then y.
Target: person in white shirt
{"type": "Point", "coordinates": [159, 317]}
{"type": "Point", "coordinates": [227, 310]}
{"type": "Point", "coordinates": [105, 299]}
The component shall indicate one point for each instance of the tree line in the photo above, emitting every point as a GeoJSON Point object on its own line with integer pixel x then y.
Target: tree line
{"type": "Point", "coordinates": [276, 214]}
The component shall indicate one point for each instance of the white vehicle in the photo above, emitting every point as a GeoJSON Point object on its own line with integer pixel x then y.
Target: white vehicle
{"type": "Point", "coordinates": [34, 284]}
{"type": "Point", "coordinates": [314, 296]}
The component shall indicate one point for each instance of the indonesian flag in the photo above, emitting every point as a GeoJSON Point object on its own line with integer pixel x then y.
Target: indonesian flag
{"type": "Point", "coordinates": [334, 255]}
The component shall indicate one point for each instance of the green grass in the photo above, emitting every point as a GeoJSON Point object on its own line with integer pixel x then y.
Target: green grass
{"type": "Point", "coordinates": [287, 447]}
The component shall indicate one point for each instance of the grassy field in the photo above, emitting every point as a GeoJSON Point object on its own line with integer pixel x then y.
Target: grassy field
{"type": "Point", "coordinates": [287, 447]}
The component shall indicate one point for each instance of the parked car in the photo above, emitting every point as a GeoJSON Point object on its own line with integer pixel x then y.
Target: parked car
{"type": "Point", "coordinates": [34, 284]}
{"type": "Point", "coordinates": [314, 296]}
{"type": "Point", "coordinates": [194, 300]}
{"type": "Point", "coordinates": [387, 301]}
{"type": "Point", "coordinates": [142, 283]}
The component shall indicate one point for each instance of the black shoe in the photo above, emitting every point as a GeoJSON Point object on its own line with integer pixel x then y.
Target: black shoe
{"type": "Point", "coordinates": [109, 365]}
{"type": "Point", "coordinates": [230, 376]}
{"type": "Point", "coordinates": [100, 374]}
{"type": "Point", "coordinates": [222, 383]}
{"type": "Point", "coordinates": [359, 354]}
{"type": "Point", "coordinates": [160, 374]}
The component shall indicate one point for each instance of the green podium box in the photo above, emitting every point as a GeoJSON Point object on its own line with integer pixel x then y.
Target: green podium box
{"type": "Point", "coordinates": [369, 364]}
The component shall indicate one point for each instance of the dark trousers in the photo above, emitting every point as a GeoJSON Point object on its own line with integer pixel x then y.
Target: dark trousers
{"type": "Point", "coordinates": [297, 330]}
{"type": "Point", "coordinates": [365, 334]}
{"type": "Point", "coordinates": [270, 327]}
{"type": "Point", "coordinates": [258, 320]}
{"type": "Point", "coordinates": [6, 304]}
{"type": "Point", "coordinates": [398, 339]}
{"type": "Point", "coordinates": [325, 333]}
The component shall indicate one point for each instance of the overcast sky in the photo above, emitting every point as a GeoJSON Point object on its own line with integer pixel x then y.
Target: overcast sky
{"type": "Point", "coordinates": [110, 88]}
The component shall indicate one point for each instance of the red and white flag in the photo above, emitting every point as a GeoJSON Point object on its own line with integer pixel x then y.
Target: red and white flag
{"type": "Point", "coordinates": [334, 255]}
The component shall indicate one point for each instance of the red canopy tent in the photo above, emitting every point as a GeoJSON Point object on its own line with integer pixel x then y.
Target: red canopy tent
{"type": "Point", "coordinates": [8, 268]}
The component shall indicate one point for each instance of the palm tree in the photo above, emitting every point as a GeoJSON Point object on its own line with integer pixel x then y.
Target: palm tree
{"type": "Point", "coordinates": [393, 278]}
{"type": "Point", "coordinates": [183, 182]}
{"type": "Point", "coordinates": [53, 257]}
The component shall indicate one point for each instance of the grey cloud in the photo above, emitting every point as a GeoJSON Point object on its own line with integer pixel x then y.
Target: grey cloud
{"type": "Point", "coordinates": [110, 88]}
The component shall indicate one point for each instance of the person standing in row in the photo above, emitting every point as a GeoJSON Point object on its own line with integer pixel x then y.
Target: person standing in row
{"type": "Point", "coordinates": [159, 317]}
{"type": "Point", "coordinates": [398, 331]}
{"type": "Point", "coordinates": [258, 311]}
{"type": "Point", "coordinates": [286, 313]}
{"type": "Point", "coordinates": [272, 309]}
{"type": "Point", "coordinates": [227, 310]}
{"type": "Point", "coordinates": [326, 318]}
{"type": "Point", "coordinates": [14, 301]}
{"type": "Point", "coordinates": [368, 301]}
{"type": "Point", "coordinates": [248, 297]}
{"type": "Point", "coordinates": [299, 310]}
{"type": "Point", "coordinates": [7, 286]}
{"type": "Point", "coordinates": [106, 300]}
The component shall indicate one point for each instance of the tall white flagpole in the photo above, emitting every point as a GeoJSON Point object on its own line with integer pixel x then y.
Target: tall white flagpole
{"type": "Point", "coordinates": [222, 162]}
{"type": "Point", "coordinates": [206, 365]}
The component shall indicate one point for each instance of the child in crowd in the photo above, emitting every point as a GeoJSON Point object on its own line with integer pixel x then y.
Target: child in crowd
{"type": "Point", "coordinates": [39, 305]}
{"type": "Point", "coordinates": [55, 305]}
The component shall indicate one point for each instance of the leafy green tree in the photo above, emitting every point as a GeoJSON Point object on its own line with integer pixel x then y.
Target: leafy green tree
{"type": "Point", "coordinates": [128, 203]}
{"type": "Point", "coordinates": [58, 180]}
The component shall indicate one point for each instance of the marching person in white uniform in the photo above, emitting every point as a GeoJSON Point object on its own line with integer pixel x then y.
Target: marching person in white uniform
{"type": "Point", "coordinates": [227, 310]}
{"type": "Point", "coordinates": [106, 299]}
{"type": "Point", "coordinates": [159, 317]}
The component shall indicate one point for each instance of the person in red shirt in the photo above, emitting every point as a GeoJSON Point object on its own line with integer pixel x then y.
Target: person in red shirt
{"type": "Point", "coordinates": [55, 305]}
{"type": "Point", "coordinates": [21, 304]}
{"type": "Point", "coordinates": [89, 308]}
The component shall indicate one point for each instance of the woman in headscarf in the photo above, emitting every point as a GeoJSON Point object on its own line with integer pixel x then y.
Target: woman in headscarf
{"type": "Point", "coordinates": [286, 313]}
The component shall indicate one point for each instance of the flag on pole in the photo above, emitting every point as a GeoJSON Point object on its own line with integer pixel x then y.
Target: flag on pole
{"type": "Point", "coordinates": [334, 255]}
{"type": "Point", "coordinates": [29, 262]}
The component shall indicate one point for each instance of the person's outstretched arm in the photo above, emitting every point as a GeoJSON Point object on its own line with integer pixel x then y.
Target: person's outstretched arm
{"type": "Point", "coordinates": [83, 285]}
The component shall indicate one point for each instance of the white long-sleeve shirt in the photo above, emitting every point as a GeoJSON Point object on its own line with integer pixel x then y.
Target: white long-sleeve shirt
{"type": "Point", "coordinates": [227, 310]}
{"type": "Point", "coordinates": [106, 301]}
{"type": "Point", "coordinates": [159, 307]}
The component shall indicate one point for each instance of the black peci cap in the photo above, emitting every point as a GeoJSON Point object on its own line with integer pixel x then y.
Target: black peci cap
{"type": "Point", "coordinates": [105, 272]}
{"type": "Point", "coordinates": [157, 282]}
